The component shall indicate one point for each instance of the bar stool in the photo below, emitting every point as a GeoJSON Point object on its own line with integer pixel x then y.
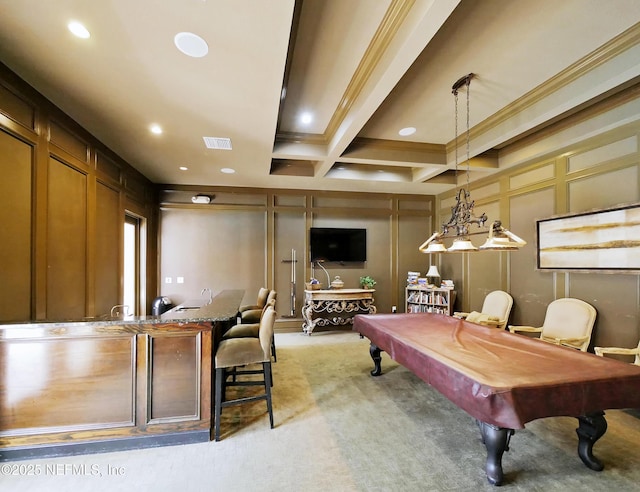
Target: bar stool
{"type": "Point", "coordinates": [235, 353]}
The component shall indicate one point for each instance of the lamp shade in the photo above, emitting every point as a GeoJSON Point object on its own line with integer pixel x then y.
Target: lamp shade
{"type": "Point", "coordinates": [435, 247]}
{"type": "Point", "coordinates": [501, 239]}
{"type": "Point", "coordinates": [500, 244]}
{"type": "Point", "coordinates": [462, 245]}
{"type": "Point", "coordinates": [433, 272]}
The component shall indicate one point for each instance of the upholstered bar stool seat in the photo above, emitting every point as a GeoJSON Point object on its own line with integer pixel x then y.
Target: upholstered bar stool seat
{"type": "Point", "coordinates": [242, 331]}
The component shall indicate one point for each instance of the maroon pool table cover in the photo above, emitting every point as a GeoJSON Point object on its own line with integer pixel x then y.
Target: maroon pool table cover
{"type": "Point", "coordinates": [498, 377]}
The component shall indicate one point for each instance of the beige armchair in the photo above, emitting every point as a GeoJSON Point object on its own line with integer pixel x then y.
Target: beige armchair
{"type": "Point", "coordinates": [602, 351]}
{"type": "Point", "coordinates": [495, 310]}
{"type": "Point", "coordinates": [568, 322]}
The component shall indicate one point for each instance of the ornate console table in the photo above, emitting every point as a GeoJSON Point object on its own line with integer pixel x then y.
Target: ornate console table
{"type": "Point", "coordinates": [335, 307]}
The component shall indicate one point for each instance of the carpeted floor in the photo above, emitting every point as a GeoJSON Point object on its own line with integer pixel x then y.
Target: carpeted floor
{"type": "Point", "coordinates": [339, 429]}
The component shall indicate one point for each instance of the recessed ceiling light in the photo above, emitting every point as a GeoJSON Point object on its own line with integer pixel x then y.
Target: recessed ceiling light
{"type": "Point", "coordinates": [227, 170]}
{"type": "Point", "coordinates": [191, 44]}
{"type": "Point", "coordinates": [157, 129]}
{"type": "Point", "coordinates": [407, 131]}
{"type": "Point", "coordinates": [78, 29]}
{"type": "Point", "coordinates": [183, 168]}
{"type": "Point", "coordinates": [306, 118]}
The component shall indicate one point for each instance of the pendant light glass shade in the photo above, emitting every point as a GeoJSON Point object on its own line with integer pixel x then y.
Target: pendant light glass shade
{"type": "Point", "coordinates": [462, 244]}
{"type": "Point", "coordinates": [500, 239]}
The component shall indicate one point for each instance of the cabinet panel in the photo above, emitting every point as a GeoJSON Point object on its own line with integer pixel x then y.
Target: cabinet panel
{"type": "Point", "coordinates": [174, 377]}
{"type": "Point", "coordinates": [51, 383]}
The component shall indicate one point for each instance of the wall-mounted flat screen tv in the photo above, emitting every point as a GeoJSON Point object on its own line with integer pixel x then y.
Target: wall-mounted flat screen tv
{"type": "Point", "coordinates": [338, 244]}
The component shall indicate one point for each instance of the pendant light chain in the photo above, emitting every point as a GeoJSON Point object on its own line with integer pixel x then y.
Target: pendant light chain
{"type": "Point", "coordinates": [462, 213]}
{"type": "Point", "coordinates": [468, 136]}
{"type": "Point", "coordinates": [455, 93]}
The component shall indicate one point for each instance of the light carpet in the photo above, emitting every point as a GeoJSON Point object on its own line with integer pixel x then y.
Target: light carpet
{"type": "Point", "coordinates": [339, 429]}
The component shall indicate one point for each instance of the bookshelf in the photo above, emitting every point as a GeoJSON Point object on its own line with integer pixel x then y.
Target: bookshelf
{"type": "Point", "coordinates": [422, 299]}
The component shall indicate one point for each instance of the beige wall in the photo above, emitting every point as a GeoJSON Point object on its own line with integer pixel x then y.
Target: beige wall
{"type": "Point", "coordinates": [244, 238]}
{"type": "Point", "coordinates": [590, 161]}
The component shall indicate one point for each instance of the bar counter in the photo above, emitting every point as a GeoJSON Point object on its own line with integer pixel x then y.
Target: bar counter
{"type": "Point", "coordinates": [110, 383]}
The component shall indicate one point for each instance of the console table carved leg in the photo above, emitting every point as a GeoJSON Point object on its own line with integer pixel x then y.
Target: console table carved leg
{"type": "Point", "coordinates": [591, 428]}
{"type": "Point", "coordinates": [496, 440]}
{"type": "Point", "coordinates": [377, 360]}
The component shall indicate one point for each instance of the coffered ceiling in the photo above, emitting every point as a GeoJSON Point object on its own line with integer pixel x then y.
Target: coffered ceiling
{"type": "Point", "coordinates": [361, 69]}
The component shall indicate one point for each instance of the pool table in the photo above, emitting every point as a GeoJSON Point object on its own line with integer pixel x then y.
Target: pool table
{"type": "Point", "coordinates": [504, 380]}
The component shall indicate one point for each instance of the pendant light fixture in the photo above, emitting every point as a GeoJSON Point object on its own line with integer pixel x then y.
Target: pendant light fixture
{"type": "Point", "coordinates": [463, 219]}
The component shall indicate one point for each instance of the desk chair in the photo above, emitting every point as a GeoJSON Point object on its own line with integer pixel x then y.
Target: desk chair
{"type": "Point", "coordinates": [602, 351]}
{"type": "Point", "coordinates": [567, 322]}
{"type": "Point", "coordinates": [496, 309]}
{"type": "Point", "coordinates": [252, 330]}
{"type": "Point", "coordinates": [234, 354]}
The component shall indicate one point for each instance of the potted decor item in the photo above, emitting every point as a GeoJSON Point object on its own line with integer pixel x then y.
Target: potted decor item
{"type": "Point", "coordinates": [367, 282]}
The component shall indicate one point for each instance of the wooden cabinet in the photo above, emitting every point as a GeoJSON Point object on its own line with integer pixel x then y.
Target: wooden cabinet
{"type": "Point", "coordinates": [93, 386]}
{"type": "Point", "coordinates": [429, 299]}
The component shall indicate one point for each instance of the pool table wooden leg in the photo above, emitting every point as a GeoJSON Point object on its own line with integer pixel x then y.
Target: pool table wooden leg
{"type": "Point", "coordinates": [496, 440]}
{"type": "Point", "coordinates": [591, 428]}
{"type": "Point", "coordinates": [377, 360]}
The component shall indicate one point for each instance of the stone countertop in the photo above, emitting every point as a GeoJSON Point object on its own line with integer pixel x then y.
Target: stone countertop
{"type": "Point", "coordinates": [222, 307]}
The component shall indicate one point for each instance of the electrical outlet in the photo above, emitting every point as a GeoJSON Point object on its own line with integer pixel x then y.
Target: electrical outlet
{"type": "Point", "coordinates": [180, 280]}
{"type": "Point", "coordinates": [168, 280]}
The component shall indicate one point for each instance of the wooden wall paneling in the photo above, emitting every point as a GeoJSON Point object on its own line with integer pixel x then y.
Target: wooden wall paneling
{"type": "Point", "coordinates": [290, 233]}
{"type": "Point", "coordinates": [28, 116]}
{"type": "Point", "coordinates": [41, 225]}
{"type": "Point", "coordinates": [413, 230]}
{"type": "Point", "coordinates": [603, 190]}
{"type": "Point", "coordinates": [16, 108]}
{"type": "Point", "coordinates": [68, 141]}
{"type": "Point", "coordinates": [615, 297]}
{"type": "Point", "coordinates": [108, 247]}
{"type": "Point", "coordinates": [107, 169]}
{"type": "Point", "coordinates": [485, 267]}
{"type": "Point", "coordinates": [66, 242]}
{"type": "Point", "coordinates": [16, 168]}
{"type": "Point", "coordinates": [532, 290]}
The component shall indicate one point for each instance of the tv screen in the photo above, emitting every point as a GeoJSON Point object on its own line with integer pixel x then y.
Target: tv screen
{"type": "Point", "coordinates": [340, 245]}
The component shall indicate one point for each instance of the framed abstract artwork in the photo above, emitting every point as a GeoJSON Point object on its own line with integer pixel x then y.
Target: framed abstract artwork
{"type": "Point", "coordinates": [603, 240]}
